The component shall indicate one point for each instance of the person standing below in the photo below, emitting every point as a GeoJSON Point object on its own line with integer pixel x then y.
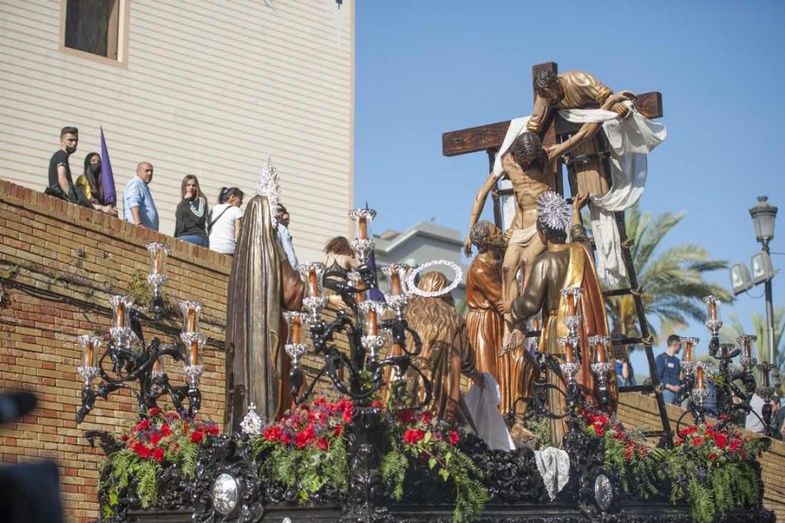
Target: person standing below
{"type": "Point", "coordinates": [625, 376]}
{"type": "Point", "coordinates": [225, 220]}
{"type": "Point", "coordinates": [669, 369]}
{"type": "Point", "coordinates": [90, 182]}
{"type": "Point", "coordinates": [60, 181]}
{"type": "Point", "coordinates": [191, 215]}
{"type": "Point", "coordinates": [284, 237]}
{"type": "Point", "coordinates": [138, 205]}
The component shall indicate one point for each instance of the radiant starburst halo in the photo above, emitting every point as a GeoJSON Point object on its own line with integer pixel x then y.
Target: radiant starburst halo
{"type": "Point", "coordinates": [268, 186]}
{"type": "Point", "coordinates": [554, 211]}
{"type": "Point", "coordinates": [412, 288]}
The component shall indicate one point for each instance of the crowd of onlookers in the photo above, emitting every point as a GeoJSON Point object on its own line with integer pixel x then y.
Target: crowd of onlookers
{"type": "Point", "coordinates": [217, 228]}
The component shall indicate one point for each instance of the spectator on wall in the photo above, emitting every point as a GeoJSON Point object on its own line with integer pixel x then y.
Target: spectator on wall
{"type": "Point", "coordinates": [225, 220]}
{"type": "Point", "coordinates": [669, 369]}
{"type": "Point", "coordinates": [90, 183]}
{"type": "Point", "coordinates": [138, 205]}
{"type": "Point", "coordinates": [61, 184]}
{"type": "Point", "coordinates": [284, 237]}
{"type": "Point", "coordinates": [191, 215]}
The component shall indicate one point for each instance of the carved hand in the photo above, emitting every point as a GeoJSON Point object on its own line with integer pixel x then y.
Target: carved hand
{"type": "Point", "coordinates": [467, 247]}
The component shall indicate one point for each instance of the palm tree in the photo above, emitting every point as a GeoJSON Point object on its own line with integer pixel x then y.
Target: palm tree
{"type": "Point", "coordinates": [672, 284]}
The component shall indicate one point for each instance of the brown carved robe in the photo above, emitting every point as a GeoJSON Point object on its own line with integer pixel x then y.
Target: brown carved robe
{"type": "Point", "coordinates": [553, 271]}
{"type": "Point", "coordinates": [262, 286]}
{"type": "Point", "coordinates": [485, 322]}
{"type": "Point", "coordinates": [446, 354]}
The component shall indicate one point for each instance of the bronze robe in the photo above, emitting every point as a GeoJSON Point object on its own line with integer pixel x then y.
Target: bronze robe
{"type": "Point", "coordinates": [552, 272]}
{"type": "Point", "coordinates": [485, 322]}
{"type": "Point", "coordinates": [261, 287]}
{"type": "Point", "coordinates": [446, 354]}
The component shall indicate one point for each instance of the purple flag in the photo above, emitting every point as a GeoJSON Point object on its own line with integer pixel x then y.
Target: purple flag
{"type": "Point", "coordinates": [374, 294]}
{"type": "Point", "coordinates": [108, 190]}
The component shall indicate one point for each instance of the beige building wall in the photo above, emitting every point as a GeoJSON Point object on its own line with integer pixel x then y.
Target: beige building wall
{"type": "Point", "coordinates": [204, 87]}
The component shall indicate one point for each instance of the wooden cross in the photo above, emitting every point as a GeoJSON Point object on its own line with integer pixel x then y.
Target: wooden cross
{"type": "Point", "coordinates": [489, 137]}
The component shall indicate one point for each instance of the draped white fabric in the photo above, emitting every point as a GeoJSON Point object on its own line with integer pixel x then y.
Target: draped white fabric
{"type": "Point", "coordinates": [554, 466]}
{"type": "Point", "coordinates": [483, 407]}
{"type": "Point", "coordinates": [630, 140]}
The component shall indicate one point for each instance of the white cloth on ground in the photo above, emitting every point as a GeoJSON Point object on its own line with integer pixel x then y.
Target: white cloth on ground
{"type": "Point", "coordinates": [483, 406]}
{"type": "Point", "coordinates": [554, 467]}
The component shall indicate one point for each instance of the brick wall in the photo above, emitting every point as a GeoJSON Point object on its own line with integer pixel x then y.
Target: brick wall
{"type": "Point", "coordinates": [59, 264]}
{"type": "Point", "coordinates": [639, 411]}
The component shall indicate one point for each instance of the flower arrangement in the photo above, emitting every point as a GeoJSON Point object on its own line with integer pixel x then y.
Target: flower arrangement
{"type": "Point", "coordinates": [161, 440]}
{"type": "Point", "coordinates": [307, 449]}
{"type": "Point", "coordinates": [714, 467]}
{"type": "Point", "coordinates": [417, 441]}
{"type": "Point", "coordinates": [711, 466]}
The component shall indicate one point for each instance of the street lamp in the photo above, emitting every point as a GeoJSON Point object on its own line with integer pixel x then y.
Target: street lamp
{"type": "Point", "coordinates": [763, 218]}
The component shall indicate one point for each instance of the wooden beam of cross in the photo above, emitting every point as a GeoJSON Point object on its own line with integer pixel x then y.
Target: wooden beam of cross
{"type": "Point", "coordinates": [489, 137]}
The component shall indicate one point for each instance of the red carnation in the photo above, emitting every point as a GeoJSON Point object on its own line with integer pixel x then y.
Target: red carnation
{"type": "Point", "coordinates": [154, 411]}
{"type": "Point", "coordinates": [322, 444]}
{"type": "Point", "coordinates": [212, 430]}
{"type": "Point", "coordinates": [425, 417]}
{"type": "Point", "coordinates": [454, 437]}
{"type": "Point", "coordinates": [713, 456]}
{"type": "Point", "coordinates": [143, 425]}
{"type": "Point", "coordinates": [166, 430]}
{"type": "Point", "coordinates": [124, 437]}
{"type": "Point", "coordinates": [338, 431]}
{"type": "Point", "coordinates": [155, 438]}
{"type": "Point", "coordinates": [412, 436]}
{"type": "Point", "coordinates": [304, 437]}
{"type": "Point", "coordinates": [721, 440]}
{"type": "Point", "coordinates": [197, 436]}
{"type": "Point", "coordinates": [158, 454]}
{"type": "Point", "coordinates": [697, 441]}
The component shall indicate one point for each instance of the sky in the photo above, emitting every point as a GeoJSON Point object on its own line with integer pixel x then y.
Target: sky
{"type": "Point", "coordinates": [427, 67]}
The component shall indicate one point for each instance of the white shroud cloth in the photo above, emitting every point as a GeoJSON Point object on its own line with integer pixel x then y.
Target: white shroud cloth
{"type": "Point", "coordinates": [630, 140]}
{"type": "Point", "coordinates": [554, 466]}
{"type": "Point", "coordinates": [483, 406]}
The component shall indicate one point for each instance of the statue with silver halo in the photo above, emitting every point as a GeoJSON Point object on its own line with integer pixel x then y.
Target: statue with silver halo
{"type": "Point", "coordinates": [564, 265]}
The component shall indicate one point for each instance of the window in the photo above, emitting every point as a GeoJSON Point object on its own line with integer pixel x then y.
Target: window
{"type": "Point", "coordinates": [93, 26]}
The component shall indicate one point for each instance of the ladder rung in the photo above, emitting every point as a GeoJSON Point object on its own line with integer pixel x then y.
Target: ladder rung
{"type": "Point", "coordinates": [627, 341]}
{"type": "Point", "coordinates": [617, 292]}
{"type": "Point", "coordinates": [636, 388]}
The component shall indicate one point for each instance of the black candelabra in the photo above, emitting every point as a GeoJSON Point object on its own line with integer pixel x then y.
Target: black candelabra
{"type": "Point", "coordinates": [362, 373]}
{"type": "Point", "coordinates": [728, 393]}
{"type": "Point", "coordinates": [129, 363]}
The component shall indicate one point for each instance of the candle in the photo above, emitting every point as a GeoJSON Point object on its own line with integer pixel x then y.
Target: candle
{"type": "Point", "coordinates": [569, 357]}
{"type": "Point", "coordinates": [699, 378]}
{"type": "Point", "coordinates": [688, 351]}
{"type": "Point", "coordinates": [395, 282]}
{"type": "Point", "coordinates": [373, 325]}
{"type": "Point", "coordinates": [89, 352]}
{"type": "Point", "coordinates": [748, 348]}
{"type": "Point", "coordinates": [313, 284]}
{"type": "Point", "coordinates": [713, 310]}
{"type": "Point", "coordinates": [194, 351]}
{"type": "Point", "coordinates": [363, 222]}
{"type": "Point", "coordinates": [297, 330]}
{"type": "Point", "coordinates": [191, 323]}
{"type": "Point", "coordinates": [570, 304]}
{"type": "Point", "coordinates": [120, 315]}
{"type": "Point", "coordinates": [159, 261]}
{"type": "Point", "coordinates": [601, 355]}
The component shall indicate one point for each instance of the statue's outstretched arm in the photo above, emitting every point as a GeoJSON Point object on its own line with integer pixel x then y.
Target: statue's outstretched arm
{"type": "Point", "coordinates": [479, 203]}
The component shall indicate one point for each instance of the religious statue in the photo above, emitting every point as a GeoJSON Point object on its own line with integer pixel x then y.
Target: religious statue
{"type": "Point", "coordinates": [563, 265]}
{"type": "Point", "coordinates": [263, 285]}
{"type": "Point", "coordinates": [627, 139]}
{"type": "Point", "coordinates": [446, 351]}
{"type": "Point", "coordinates": [530, 168]}
{"type": "Point", "coordinates": [485, 319]}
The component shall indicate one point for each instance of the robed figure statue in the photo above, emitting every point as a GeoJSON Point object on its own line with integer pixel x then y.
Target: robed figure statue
{"type": "Point", "coordinates": [563, 265]}
{"type": "Point", "coordinates": [262, 286]}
